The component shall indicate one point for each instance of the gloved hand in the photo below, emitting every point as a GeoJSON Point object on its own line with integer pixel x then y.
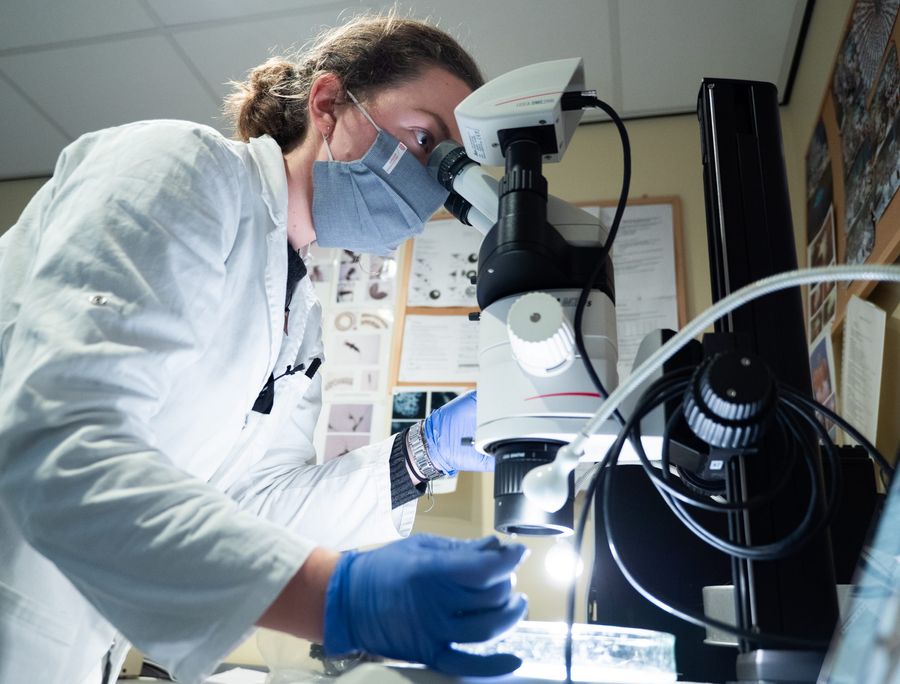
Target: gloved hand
{"type": "Point", "coordinates": [410, 599]}
{"type": "Point", "coordinates": [444, 431]}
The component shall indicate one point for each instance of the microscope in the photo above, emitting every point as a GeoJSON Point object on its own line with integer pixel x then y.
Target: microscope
{"type": "Point", "coordinates": [548, 353]}
{"type": "Point", "coordinates": [537, 254]}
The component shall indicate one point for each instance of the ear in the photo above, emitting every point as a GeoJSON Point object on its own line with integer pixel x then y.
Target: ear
{"type": "Point", "coordinates": [323, 94]}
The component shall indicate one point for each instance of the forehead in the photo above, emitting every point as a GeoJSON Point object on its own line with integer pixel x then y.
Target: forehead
{"type": "Point", "coordinates": [434, 92]}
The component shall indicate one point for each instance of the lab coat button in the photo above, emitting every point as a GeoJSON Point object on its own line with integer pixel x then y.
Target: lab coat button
{"type": "Point", "coordinates": [97, 300]}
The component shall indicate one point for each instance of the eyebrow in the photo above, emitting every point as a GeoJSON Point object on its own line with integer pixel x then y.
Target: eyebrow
{"type": "Point", "coordinates": [442, 125]}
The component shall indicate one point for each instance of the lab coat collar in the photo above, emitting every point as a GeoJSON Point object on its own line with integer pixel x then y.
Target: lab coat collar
{"type": "Point", "coordinates": [270, 162]}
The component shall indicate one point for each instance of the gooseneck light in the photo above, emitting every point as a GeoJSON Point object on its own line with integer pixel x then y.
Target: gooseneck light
{"type": "Point", "coordinates": [546, 485]}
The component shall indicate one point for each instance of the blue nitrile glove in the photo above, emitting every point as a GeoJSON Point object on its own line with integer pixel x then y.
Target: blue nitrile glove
{"type": "Point", "coordinates": [444, 431]}
{"type": "Point", "coordinates": [410, 599]}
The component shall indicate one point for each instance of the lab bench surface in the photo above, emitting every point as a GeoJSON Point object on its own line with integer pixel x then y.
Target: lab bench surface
{"type": "Point", "coordinates": [390, 674]}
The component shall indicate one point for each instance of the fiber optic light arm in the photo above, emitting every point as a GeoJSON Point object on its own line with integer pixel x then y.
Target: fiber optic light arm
{"type": "Point", "coordinates": [546, 485]}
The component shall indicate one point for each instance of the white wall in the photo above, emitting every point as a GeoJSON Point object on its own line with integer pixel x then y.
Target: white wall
{"type": "Point", "coordinates": [14, 195]}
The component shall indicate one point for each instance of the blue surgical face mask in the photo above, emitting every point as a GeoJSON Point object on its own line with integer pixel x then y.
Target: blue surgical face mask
{"type": "Point", "coordinates": [376, 203]}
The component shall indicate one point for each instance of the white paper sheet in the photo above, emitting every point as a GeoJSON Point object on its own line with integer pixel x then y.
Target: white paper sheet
{"type": "Point", "coordinates": [439, 349]}
{"type": "Point", "coordinates": [863, 357]}
{"type": "Point", "coordinates": [644, 262]}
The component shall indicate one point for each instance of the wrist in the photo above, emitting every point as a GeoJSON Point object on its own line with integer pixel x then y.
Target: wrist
{"type": "Point", "coordinates": [337, 637]}
{"type": "Point", "coordinates": [300, 607]}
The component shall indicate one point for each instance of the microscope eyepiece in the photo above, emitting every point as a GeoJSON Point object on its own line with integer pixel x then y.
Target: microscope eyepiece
{"type": "Point", "coordinates": [446, 161]}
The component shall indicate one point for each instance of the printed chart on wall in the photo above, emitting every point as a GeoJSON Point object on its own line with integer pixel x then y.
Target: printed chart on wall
{"type": "Point", "coordinates": [444, 261]}
{"type": "Point", "coordinates": [358, 293]}
{"type": "Point", "coordinates": [439, 349]}
{"type": "Point", "coordinates": [648, 277]}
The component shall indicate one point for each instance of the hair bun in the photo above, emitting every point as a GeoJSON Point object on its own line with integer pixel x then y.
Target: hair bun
{"type": "Point", "coordinates": [270, 75]}
{"type": "Point", "coordinates": [263, 104]}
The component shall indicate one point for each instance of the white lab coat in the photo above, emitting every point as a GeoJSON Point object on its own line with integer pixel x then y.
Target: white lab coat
{"type": "Point", "coordinates": [141, 311]}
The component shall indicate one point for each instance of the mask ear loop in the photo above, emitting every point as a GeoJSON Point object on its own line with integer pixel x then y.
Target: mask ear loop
{"type": "Point", "coordinates": [364, 113]}
{"type": "Point", "coordinates": [327, 147]}
{"type": "Point", "coordinates": [363, 110]}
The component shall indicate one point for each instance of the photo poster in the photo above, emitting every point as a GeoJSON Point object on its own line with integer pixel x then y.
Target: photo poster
{"type": "Point", "coordinates": [358, 293]}
{"type": "Point", "coordinates": [853, 159]}
{"type": "Point", "coordinates": [412, 404]}
{"type": "Point", "coordinates": [822, 297]}
{"type": "Point", "coordinates": [345, 278]}
{"type": "Point", "coordinates": [822, 372]}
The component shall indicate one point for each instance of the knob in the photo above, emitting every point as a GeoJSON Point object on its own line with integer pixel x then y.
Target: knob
{"type": "Point", "coordinates": [729, 400]}
{"type": "Point", "coordinates": [540, 335]}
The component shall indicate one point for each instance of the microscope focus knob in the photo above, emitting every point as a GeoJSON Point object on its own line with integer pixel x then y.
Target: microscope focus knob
{"type": "Point", "coordinates": [540, 335]}
{"type": "Point", "coordinates": [729, 400]}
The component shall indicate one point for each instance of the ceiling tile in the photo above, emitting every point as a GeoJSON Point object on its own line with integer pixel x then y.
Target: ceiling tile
{"type": "Point", "coordinates": [224, 53]}
{"type": "Point", "coordinates": [642, 56]}
{"type": "Point", "coordinates": [95, 86]}
{"type": "Point", "coordinates": [668, 47]}
{"type": "Point", "coordinates": [506, 34]}
{"type": "Point", "coordinates": [173, 12]}
{"type": "Point", "coordinates": [38, 22]}
{"type": "Point", "coordinates": [31, 144]}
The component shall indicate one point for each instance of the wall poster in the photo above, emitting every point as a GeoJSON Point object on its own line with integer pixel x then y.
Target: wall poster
{"type": "Point", "coordinates": [853, 159]}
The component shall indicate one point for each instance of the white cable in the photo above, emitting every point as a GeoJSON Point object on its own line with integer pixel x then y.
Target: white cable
{"type": "Point", "coordinates": [541, 484]}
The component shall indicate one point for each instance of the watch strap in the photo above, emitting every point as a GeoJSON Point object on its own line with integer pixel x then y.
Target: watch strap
{"type": "Point", "coordinates": [417, 450]}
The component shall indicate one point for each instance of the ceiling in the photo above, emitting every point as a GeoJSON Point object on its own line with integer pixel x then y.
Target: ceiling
{"type": "Point", "coordinates": [71, 67]}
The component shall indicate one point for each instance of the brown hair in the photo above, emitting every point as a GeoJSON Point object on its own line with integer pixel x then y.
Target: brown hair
{"type": "Point", "coordinates": [367, 53]}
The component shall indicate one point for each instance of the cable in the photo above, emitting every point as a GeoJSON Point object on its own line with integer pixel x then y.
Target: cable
{"type": "Point", "coordinates": [714, 506]}
{"type": "Point", "coordinates": [700, 621]}
{"type": "Point", "coordinates": [834, 462]}
{"type": "Point", "coordinates": [770, 551]}
{"type": "Point", "coordinates": [568, 455]}
{"type": "Point", "coordinates": [847, 427]}
{"type": "Point", "coordinates": [582, 524]}
{"type": "Point", "coordinates": [607, 246]}
{"type": "Point", "coordinates": [658, 393]}
{"type": "Point", "coordinates": [606, 474]}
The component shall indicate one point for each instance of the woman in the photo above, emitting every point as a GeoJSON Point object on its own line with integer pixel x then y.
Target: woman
{"type": "Point", "coordinates": [159, 356]}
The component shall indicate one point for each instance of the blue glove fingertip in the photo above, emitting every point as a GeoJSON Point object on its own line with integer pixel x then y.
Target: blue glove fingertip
{"type": "Point", "coordinates": [488, 542]}
{"type": "Point", "coordinates": [462, 664]}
